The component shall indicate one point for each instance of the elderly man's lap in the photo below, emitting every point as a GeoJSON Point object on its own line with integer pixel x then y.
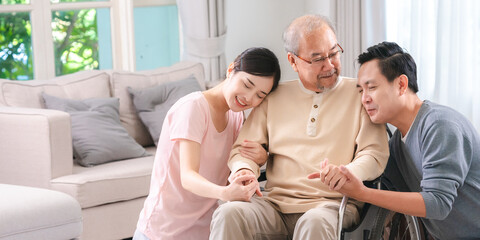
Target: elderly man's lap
{"type": "Point", "coordinates": [258, 219]}
{"type": "Point", "coordinates": [247, 220]}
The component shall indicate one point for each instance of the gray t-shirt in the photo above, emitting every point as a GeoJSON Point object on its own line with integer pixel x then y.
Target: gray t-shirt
{"type": "Point", "coordinates": [440, 159]}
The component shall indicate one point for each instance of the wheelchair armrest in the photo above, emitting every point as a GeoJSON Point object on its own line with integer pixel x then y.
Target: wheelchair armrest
{"type": "Point", "coordinates": [375, 183]}
{"type": "Point", "coordinates": [263, 175]}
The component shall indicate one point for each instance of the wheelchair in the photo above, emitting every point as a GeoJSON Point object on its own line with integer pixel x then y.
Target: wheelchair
{"type": "Point", "coordinates": [376, 223]}
{"type": "Point", "coordinates": [379, 223]}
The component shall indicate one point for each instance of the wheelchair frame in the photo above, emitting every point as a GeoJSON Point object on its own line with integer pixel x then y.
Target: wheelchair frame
{"type": "Point", "coordinates": [374, 229]}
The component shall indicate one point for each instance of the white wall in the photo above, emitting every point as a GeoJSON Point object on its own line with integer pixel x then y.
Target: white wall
{"type": "Point", "coordinates": [260, 23]}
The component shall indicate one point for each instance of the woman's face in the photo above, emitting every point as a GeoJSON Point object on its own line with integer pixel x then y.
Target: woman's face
{"type": "Point", "coordinates": [243, 90]}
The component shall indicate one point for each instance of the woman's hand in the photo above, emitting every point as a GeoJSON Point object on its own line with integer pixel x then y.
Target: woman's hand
{"type": "Point", "coordinates": [241, 189]}
{"type": "Point", "coordinates": [254, 151]}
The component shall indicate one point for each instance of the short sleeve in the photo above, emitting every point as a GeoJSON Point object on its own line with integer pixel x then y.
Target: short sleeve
{"type": "Point", "coordinates": [188, 120]}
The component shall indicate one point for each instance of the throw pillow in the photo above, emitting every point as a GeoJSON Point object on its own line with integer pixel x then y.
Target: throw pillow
{"type": "Point", "coordinates": [97, 134]}
{"type": "Point", "coordinates": [152, 104]}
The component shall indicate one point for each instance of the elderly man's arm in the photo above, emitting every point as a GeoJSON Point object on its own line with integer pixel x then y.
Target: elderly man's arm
{"type": "Point", "coordinates": [372, 152]}
{"type": "Point", "coordinates": [254, 130]}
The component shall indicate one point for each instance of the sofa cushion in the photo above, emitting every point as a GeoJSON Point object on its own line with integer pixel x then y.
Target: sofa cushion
{"type": "Point", "coordinates": [97, 134]}
{"type": "Point", "coordinates": [152, 104]}
{"type": "Point", "coordinates": [145, 79]}
{"type": "Point", "coordinates": [35, 213]}
{"type": "Point", "coordinates": [108, 183]}
{"type": "Point", "coordinates": [81, 85]}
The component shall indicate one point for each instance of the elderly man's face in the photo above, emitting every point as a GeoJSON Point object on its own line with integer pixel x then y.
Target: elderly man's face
{"type": "Point", "coordinates": [318, 60]}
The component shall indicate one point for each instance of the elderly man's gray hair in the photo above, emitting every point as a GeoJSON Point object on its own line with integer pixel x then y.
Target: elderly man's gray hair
{"type": "Point", "coordinates": [301, 26]}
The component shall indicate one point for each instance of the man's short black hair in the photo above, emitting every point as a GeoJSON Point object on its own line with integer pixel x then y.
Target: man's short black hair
{"type": "Point", "coordinates": [393, 61]}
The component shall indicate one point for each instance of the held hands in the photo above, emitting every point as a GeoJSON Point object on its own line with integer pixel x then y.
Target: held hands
{"type": "Point", "coordinates": [339, 178]}
{"type": "Point", "coordinates": [330, 175]}
{"type": "Point", "coordinates": [253, 151]}
{"type": "Point", "coordinates": [243, 184]}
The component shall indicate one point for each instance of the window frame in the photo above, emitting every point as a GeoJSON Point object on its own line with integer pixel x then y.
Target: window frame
{"type": "Point", "coordinates": [122, 32]}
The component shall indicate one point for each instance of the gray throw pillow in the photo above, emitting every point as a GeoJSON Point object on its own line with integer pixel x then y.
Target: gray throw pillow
{"type": "Point", "coordinates": [97, 134]}
{"type": "Point", "coordinates": [152, 104]}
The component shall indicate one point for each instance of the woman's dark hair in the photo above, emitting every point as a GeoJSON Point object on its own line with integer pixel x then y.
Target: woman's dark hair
{"type": "Point", "coordinates": [393, 61]}
{"type": "Point", "coordinates": [259, 61]}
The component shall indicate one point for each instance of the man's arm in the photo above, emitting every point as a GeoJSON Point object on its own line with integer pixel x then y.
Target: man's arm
{"type": "Point", "coordinates": [372, 153]}
{"type": "Point", "coordinates": [370, 158]}
{"type": "Point", "coordinates": [445, 166]}
{"type": "Point", "coordinates": [254, 130]}
{"type": "Point", "coordinates": [410, 203]}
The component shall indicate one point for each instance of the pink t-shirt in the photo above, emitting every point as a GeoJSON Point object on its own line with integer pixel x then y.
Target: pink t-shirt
{"type": "Point", "coordinates": [170, 211]}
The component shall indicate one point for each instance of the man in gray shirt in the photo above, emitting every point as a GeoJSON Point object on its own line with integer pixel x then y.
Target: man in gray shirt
{"type": "Point", "coordinates": [434, 154]}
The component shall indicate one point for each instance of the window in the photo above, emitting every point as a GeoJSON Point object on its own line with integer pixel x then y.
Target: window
{"type": "Point", "coordinates": [77, 42]}
{"type": "Point", "coordinates": [442, 37]}
{"type": "Point", "coordinates": [148, 53]}
{"type": "Point", "coordinates": [42, 39]}
{"type": "Point", "coordinates": [15, 43]}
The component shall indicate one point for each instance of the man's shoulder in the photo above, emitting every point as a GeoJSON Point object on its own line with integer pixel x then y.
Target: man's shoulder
{"type": "Point", "coordinates": [434, 116]}
{"type": "Point", "coordinates": [433, 112]}
{"type": "Point", "coordinates": [286, 87]}
{"type": "Point", "coordinates": [347, 86]}
{"type": "Point", "coordinates": [348, 82]}
{"type": "Point", "coordinates": [288, 83]}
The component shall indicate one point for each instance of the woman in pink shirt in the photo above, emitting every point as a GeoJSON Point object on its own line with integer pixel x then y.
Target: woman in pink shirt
{"type": "Point", "coordinates": [190, 170]}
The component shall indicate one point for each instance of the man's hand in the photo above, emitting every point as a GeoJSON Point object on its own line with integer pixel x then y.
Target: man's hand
{"type": "Point", "coordinates": [344, 181]}
{"type": "Point", "coordinates": [246, 177]}
{"type": "Point", "coordinates": [254, 151]}
{"type": "Point", "coordinates": [353, 187]}
{"type": "Point", "coordinates": [330, 175]}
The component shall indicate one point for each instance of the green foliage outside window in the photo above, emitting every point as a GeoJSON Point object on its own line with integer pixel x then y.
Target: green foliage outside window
{"type": "Point", "coordinates": [75, 40]}
{"type": "Point", "coordinates": [15, 46]}
{"type": "Point", "coordinates": [14, 2]}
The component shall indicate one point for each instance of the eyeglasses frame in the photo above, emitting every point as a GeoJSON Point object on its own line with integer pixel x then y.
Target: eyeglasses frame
{"type": "Point", "coordinates": [321, 59]}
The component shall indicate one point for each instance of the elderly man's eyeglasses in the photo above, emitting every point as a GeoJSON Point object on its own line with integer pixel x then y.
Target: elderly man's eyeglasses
{"type": "Point", "coordinates": [320, 60]}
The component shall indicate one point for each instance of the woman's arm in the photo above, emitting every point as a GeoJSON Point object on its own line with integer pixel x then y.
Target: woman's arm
{"type": "Point", "coordinates": [195, 183]}
{"type": "Point", "coordinates": [254, 151]}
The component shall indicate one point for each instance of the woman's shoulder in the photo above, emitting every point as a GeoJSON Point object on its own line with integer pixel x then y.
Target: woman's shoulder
{"type": "Point", "coordinates": [193, 99]}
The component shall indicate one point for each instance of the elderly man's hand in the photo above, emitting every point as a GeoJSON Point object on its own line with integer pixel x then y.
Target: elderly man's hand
{"type": "Point", "coordinates": [340, 179]}
{"type": "Point", "coordinates": [330, 175]}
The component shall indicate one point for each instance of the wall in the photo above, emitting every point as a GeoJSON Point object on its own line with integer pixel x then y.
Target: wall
{"type": "Point", "coordinates": [260, 23]}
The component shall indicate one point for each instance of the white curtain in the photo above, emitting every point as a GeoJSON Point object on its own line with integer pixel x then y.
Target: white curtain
{"type": "Point", "coordinates": [443, 36]}
{"type": "Point", "coordinates": [203, 38]}
{"type": "Point", "coordinates": [359, 24]}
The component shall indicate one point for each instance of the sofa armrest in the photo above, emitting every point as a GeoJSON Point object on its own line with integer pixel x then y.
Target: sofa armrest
{"type": "Point", "coordinates": [35, 146]}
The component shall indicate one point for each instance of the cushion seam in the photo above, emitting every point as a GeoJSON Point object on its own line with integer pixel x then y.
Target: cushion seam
{"type": "Point", "coordinates": [70, 221]}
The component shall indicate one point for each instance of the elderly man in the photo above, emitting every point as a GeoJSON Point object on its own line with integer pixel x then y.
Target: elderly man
{"type": "Point", "coordinates": [305, 121]}
{"type": "Point", "coordinates": [435, 151]}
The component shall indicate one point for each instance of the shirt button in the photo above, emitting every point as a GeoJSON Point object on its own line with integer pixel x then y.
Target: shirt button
{"type": "Point", "coordinates": [315, 106]}
{"type": "Point", "coordinates": [312, 120]}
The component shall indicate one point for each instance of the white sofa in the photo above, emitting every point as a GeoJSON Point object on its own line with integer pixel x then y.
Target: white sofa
{"type": "Point", "coordinates": [36, 144]}
{"type": "Point", "coordinates": [37, 213]}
